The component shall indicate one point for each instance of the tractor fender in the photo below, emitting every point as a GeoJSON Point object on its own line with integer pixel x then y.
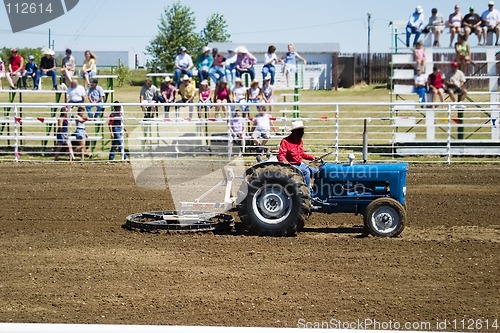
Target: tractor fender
{"type": "Point", "coordinates": [251, 170]}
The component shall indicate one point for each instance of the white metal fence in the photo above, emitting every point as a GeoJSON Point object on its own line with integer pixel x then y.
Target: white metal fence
{"type": "Point", "coordinates": [442, 132]}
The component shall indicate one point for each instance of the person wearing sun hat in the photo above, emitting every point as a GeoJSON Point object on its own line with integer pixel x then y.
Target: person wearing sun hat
{"type": "Point", "coordinates": [245, 62]}
{"type": "Point", "coordinates": [491, 22]}
{"type": "Point", "coordinates": [415, 25]}
{"type": "Point", "coordinates": [291, 151]}
{"type": "Point", "coordinates": [183, 65]}
{"type": "Point", "coordinates": [47, 68]}
{"type": "Point", "coordinates": [187, 91]}
{"type": "Point", "coordinates": [167, 94]}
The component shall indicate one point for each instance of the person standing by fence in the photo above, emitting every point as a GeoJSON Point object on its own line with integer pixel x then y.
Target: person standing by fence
{"type": "Point", "coordinates": [117, 131]}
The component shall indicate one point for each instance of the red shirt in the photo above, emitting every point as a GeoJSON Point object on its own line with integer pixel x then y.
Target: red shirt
{"type": "Point", "coordinates": [292, 150]}
{"type": "Point", "coordinates": [15, 62]}
{"type": "Point", "coordinates": [436, 80]}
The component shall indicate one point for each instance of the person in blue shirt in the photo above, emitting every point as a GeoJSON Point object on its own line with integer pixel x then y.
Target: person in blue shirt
{"type": "Point", "coordinates": [205, 61]}
{"type": "Point", "coordinates": [415, 25]}
{"type": "Point", "coordinates": [29, 70]}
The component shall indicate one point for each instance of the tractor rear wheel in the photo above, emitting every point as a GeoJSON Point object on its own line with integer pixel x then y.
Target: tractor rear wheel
{"type": "Point", "coordinates": [275, 201]}
{"type": "Point", "coordinates": [385, 217]}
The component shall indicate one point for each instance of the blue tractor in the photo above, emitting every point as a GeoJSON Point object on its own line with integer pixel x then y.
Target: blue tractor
{"type": "Point", "coordinates": [274, 200]}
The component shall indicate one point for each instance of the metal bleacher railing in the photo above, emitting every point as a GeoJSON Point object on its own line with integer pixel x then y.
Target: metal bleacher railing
{"type": "Point", "coordinates": [442, 132]}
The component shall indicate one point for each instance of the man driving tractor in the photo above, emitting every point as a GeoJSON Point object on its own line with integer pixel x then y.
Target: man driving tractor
{"type": "Point", "coordinates": [291, 151]}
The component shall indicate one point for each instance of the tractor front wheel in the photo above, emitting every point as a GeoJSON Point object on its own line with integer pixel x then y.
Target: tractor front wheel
{"type": "Point", "coordinates": [385, 217]}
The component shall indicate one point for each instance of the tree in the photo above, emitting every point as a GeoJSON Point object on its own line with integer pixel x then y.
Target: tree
{"type": "Point", "coordinates": [216, 30]}
{"type": "Point", "coordinates": [176, 29]}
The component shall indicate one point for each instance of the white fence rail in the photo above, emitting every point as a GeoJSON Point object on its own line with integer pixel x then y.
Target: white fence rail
{"type": "Point", "coordinates": [441, 132]}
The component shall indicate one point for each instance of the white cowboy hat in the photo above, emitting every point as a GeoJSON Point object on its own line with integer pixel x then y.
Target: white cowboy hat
{"type": "Point", "coordinates": [204, 83]}
{"type": "Point", "coordinates": [206, 49]}
{"type": "Point", "coordinates": [241, 49]}
{"type": "Point", "coordinates": [296, 124]}
{"type": "Point", "coordinates": [168, 79]}
{"type": "Point", "coordinates": [186, 77]}
{"type": "Point", "coordinates": [49, 52]}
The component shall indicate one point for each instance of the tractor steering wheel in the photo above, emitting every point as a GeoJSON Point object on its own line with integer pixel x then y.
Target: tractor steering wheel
{"type": "Point", "coordinates": [322, 157]}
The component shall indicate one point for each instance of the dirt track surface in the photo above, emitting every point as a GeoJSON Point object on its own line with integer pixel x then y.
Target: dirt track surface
{"type": "Point", "coordinates": [65, 258]}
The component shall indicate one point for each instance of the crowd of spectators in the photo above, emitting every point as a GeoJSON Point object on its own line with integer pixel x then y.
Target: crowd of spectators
{"type": "Point", "coordinates": [457, 23]}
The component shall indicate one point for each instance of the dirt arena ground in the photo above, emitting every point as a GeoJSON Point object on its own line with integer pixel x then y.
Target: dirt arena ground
{"type": "Point", "coordinates": [65, 258]}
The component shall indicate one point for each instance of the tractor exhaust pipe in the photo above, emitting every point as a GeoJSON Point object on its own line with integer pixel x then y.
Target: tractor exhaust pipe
{"type": "Point", "coordinates": [365, 141]}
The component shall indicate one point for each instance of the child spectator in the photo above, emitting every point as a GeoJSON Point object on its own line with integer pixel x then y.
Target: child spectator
{"type": "Point", "coordinates": [420, 84]}
{"type": "Point", "coordinates": [68, 66]}
{"type": "Point", "coordinates": [230, 68]}
{"type": "Point", "coordinates": [80, 132]}
{"type": "Point", "coordinates": [240, 95]}
{"type": "Point", "coordinates": [290, 62]}
{"type": "Point", "coordinates": [30, 70]}
{"type": "Point", "coordinates": [261, 131]}
{"type": "Point", "coordinates": [254, 93]}
{"type": "Point", "coordinates": [222, 94]}
{"type": "Point", "coordinates": [435, 83]}
{"type": "Point", "coordinates": [462, 51]}
{"type": "Point", "coordinates": [419, 55]}
{"type": "Point", "coordinates": [89, 67]}
{"type": "Point", "coordinates": [167, 94]}
{"type": "Point", "coordinates": [15, 69]}
{"type": "Point", "coordinates": [237, 130]}
{"type": "Point", "coordinates": [268, 93]}
{"type": "Point", "coordinates": [117, 131]}
{"type": "Point", "coordinates": [205, 61]}
{"type": "Point", "coordinates": [204, 97]}
{"type": "Point", "coordinates": [95, 95]}
{"type": "Point", "coordinates": [62, 135]}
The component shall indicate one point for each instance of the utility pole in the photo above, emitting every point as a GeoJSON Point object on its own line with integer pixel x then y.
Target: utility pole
{"type": "Point", "coordinates": [369, 53]}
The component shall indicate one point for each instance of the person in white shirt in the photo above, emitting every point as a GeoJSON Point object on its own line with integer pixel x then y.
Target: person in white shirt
{"type": "Point", "coordinates": [183, 65]}
{"type": "Point", "coordinates": [436, 26]}
{"type": "Point", "coordinates": [491, 22]}
{"type": "Point", "coordinates": [230, 67]}
{"type": "Point", "coordinates": [415, 25]}
{"type": "Point", "coordinates": [75, 93]}
{"type": "Point", "coordinates": [455, 24]}
{"type": "Point", "coordinates": [270, 59]}
{"type": "Point", "coordinates": [420, 84]}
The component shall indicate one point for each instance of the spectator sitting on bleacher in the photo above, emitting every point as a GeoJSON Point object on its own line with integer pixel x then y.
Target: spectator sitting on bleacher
{"type": "Point", "coordinates": [2, 72]}
{"type": "Point", "coordinates": [270, 60]}
{"type": "Point", "coordinates": [415, 25]}
{"type": "Point", "coordinates": [454, 82]}
{"type": "Point", "coordinates": [472, 24]}
{"type": "Point", "coordinates": [95, 95]}
{"type": "Point", "coordinates": [230, 68]}
{"type": "Point", "coordinates": [148, 96]}
{"type": "Point", "coordinates": [462, 52]}
{"type": "Point", "coordinates": [254, 93]}
{"type": "Point", "coordinates": [204, 97]}
{"type": "Point", "coordinates": [68, 66]}
{"type": "Point", "coordinates": [222, 94]}
{"type": "Point", "coordinates": [245, 62]}
{"type": "Point", "coordinates": [15, 69]}
{"type": "Point", "coordinates": [419, 56]}
{"type": "Point", "coordinates": [491, 22]}
{"type": "Point", "coordinates": [167, 94]}
{"type": "Point", "coordinates": [47, 68]}
{"type": "Point", "coordinates": [217, 71]}
{"type": "Point", "coordinates": [204, 63]}
{"type": "Point", "coordinates": [30, 70]}
{"type": "Point", "coordinates": [268, 92]}
{"type": "Point", "coordinates": [420, 84]}
{"type": "Point", "coordinates": [240, 95]}
{"type": "Point", "coordinates": [183, 65]}
{"type": "Point", "coordinates": [455, 24]}
{"type": "Point", "coordinates": [436, 26]}
{"type": "Point", "coordinates": [89, 67]}
{"type": "Point", "coordinates": [75, 93]}
{"type": "Point", "coordinates": [436, 84]}
{"type": "Point", "coordinates": [187, 91]}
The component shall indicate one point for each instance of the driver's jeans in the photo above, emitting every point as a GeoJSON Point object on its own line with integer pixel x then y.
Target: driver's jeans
{"type": "Point", "coordinates": [307, 171]}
